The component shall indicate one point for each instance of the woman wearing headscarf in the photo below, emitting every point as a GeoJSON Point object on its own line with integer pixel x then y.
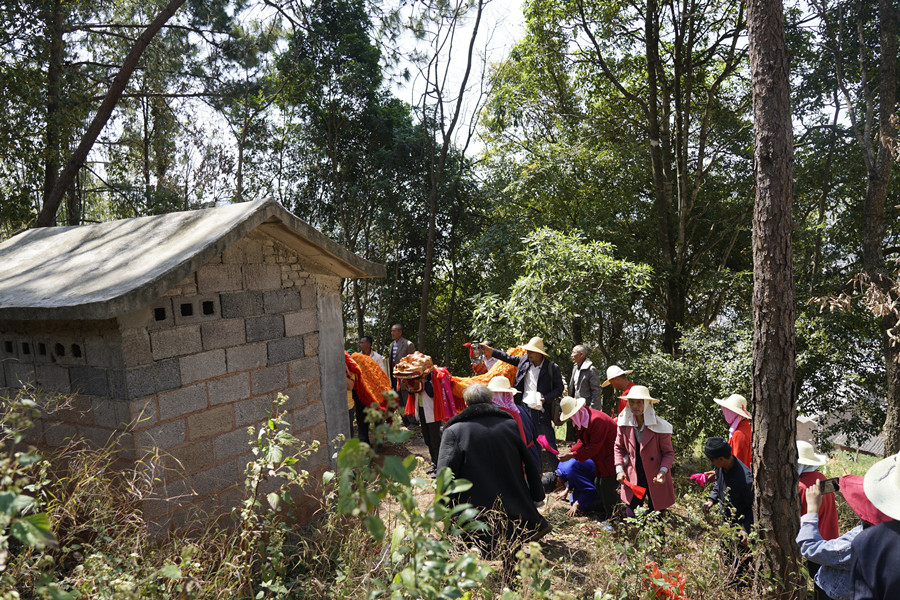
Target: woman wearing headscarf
{"type": "Point", "coordinates": [643, 452]}
{"type": "Point", "coordinates": [808, 463]}
{"type": "Point", "coordinates": [734, 409]}
{"type": "Point", "coordinates": [504, 399]}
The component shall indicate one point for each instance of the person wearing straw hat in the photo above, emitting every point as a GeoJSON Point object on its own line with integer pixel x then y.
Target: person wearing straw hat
{"type": "Point", "coordinates": [643, 452]}
{"type": "Point", "coordinates": [734, 409]}
{"type": "Point", "coordinates": [876, 551]}
{"type": "Point", "coordinates": [808, 466]}
{"type": "Point", "coordinates": [596, 432]}
{"type": "Point", "coordinates": [504, 399]}
{"type": "Point", "coordinates": [615, 377]}
{"type": "Point", "coordinates": [833, 557]}
{"type": "Point", "coordinates": [540, 382]}
{"type": "Point", "coordinates": [734, 483]}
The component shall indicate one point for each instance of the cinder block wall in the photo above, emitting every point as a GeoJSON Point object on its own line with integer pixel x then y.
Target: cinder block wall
{"type": "Point", "coordinates": [188, 374]}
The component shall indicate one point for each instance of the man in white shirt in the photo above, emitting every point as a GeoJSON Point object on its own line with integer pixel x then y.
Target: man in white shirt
{"type": "Point", "coordinates": [365, 347]}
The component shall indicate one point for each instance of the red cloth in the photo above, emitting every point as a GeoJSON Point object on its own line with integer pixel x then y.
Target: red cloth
{"type": "Point", "coordinates": [597, 442]}
{"type": "Point", "coordinates": [518, 419]}
{"type": "Point", "coordinates": [369, 384]}
{"type": "Point", "coordinates": [622, 401]}
{"type": "Point", "coordinates": [740, 442]}
{"type": "Point", "coordinates": [828, 518]}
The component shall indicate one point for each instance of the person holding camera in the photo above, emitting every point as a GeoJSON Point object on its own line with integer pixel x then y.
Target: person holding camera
{"type": "Point", "coordinates": [808, 466]}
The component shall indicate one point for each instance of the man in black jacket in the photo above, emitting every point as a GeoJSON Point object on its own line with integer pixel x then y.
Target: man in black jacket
{"type": "Point", "coordinates": [482, 444]}
{"type": "Point", "coordinates": [540, 381]}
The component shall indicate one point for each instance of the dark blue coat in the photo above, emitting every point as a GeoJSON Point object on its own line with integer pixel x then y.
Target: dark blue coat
{"type": "Point", "coordinates": [549, 384]}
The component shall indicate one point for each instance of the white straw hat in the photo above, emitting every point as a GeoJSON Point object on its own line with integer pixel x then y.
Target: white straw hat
{"type": "Point", "coordinates": [500, 383]}
{"type": "Point", "coordinates": [613, 372]}
{"type": "Point", "coordinates": [882, 486]}
{"type": "Point", "coordinates": [807, 455]}
{"type": "Point", "coordinates": [639, 392]}
{"type": "Point", "coordinates": [568, 406]}
{"type": "Point", "coordinates": [536, 344]}
{"type": "Point", "coordinates": [735, 403]}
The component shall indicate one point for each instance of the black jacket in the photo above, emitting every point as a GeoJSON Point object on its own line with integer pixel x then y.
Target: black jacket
{"type": "Point", "coordinates": [549, 384]}
{"type": "Point", "coordinates": [482, 444]}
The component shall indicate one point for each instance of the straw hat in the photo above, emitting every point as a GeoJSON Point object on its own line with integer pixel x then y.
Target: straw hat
{"type": "Point", "coordinates": [536, 344]}
{"type": "Point", "coordinates": [639, 392]}
{"type": "Point", "coordinates": [734, 403]}
{"type": "Point", "coordinates": [613, 372]}
{"type": "Point", "coordinates": [882, 485]}
{"type": "Point", "coordinates": [852, 490]}
{"type": "Point", "coordinates": [568, 406]}
{"type": "Point", "coordinates": [808, 456]}
{"type": "Point", "coordinates": [500, 383]}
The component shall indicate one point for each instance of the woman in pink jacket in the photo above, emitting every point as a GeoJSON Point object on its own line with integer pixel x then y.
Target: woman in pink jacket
{"type": "Point", "coordinates": [644, 453]}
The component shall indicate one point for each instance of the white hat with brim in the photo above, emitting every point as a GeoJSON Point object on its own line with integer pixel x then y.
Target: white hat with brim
{"type": "Point", "coordinates": [568, 406]}
{"type": "Point", "coordinates": [499, 384]}
{"type": "Point", "coordinates": [807, 455]}
{"type": "Point", "coordinates": [735, 403]}
{"type": "Point", "coordinates": [882, 486]}
{"type": "Point", "coordinates": [613, 372]}
{"type": "Point", "coordinates": [536, 344]}
{"type": "Point", "coordinates": [639, 392]}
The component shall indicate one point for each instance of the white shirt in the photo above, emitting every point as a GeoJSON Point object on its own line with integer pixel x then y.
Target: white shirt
{"type": "Point", "coordinates": [531, 397]}
{"type": "Point", "coordinates": [380, 360]}
{"type": "Point", "coordinates": [489, 362]}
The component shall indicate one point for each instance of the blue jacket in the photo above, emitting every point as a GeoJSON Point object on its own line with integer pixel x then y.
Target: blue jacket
{"type": "Point", "coordinates": [873, 568]}
{"type": "Point", "coordinates": [549, 383]}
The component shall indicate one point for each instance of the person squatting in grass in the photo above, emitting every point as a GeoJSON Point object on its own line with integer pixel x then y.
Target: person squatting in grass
{"type": "Point", "coordinates": [734, 484]}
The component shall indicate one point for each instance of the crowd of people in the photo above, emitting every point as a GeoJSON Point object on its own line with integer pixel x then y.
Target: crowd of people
{"type": "Point", "coordinates": [504, 436]}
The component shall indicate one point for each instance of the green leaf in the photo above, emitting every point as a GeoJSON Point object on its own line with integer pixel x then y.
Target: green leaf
{"type": "Point", "coordinates": [273, 499]}
{"type": "Point", "coordinates": [327, 476]}
{"type": "Point", "coordinates": [29, 458]}
{"type": "Point", "coordinates": [395, 469]}
{"type": "Point", "coordinates": [170, 572]}
{"type": "Point", "coordinates": [34, 531]}
{"type": "Point", "coordinates": [375, 526]}
{"type": "Point", "coordinates": [11, 503]}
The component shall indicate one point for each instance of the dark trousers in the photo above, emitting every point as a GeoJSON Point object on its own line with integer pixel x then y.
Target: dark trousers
{"type": "Point", "coordinates": [431, 433]}
{"type": "Point", "coordinates": [606, 491]}
{"type": "Point", "coordinates": [408, 420]}
{"type": "Point", "coordinates": [362, 427]}
{"type": "Point", "coordinates": [546, 429]}
{"type": "Point", "coordinates": [642, 481]}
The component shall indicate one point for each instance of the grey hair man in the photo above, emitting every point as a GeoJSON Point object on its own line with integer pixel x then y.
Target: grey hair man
{"type": "Point", "coordinates": [584, 383]}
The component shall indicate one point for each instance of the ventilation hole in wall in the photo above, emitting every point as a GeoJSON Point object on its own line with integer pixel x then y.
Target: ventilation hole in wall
{"type": "Point", "coordinates": [59, 350]}
{"type": "Point", "coordinates": [159, 314]}
{"type": "Point", "coordinates": [187, 309]}
{"type": "Point", "coordinates": [8, 347]}
{"type": "Point", "coordinates": [26, 348]}
{"type": "Point", "coordinates": [209, 307]}
{"type": "Point", "coordinates": [76, 350]}
{"type": "Point", "coordinates": [42, 349]}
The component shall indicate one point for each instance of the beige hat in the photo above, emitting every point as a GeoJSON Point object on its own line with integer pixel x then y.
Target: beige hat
{"type": "Point", "coordinates": [613, 372]}
{"type": "Point", "coordinates": [536, 344]}
{"type": "Point", "coordinates": [882, 486]}
{"type": "Point", "coordinates": [639, 392]}
{"type": "Point", "coordinates": [500, 383]}
{"type": "Point", "coordinates": [568, 406]}
{"type": "Point", "coordinates": [807, 455]}
{"type": "Point", "coordinates": [735, 403]}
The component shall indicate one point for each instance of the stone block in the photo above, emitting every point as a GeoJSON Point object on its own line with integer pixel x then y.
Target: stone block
{"type": "Point", "coordinates": [167, 375]}
{"type": "Point", "coordinates": [179, 341]}
{"type": "Point", "coordinates": [191, 458]}
{"type": "Point", "coordinates": [103, 352]}
{"type": "Point", "coordinates": [77, 409]}
{"type": "Point", "coordinates": [52, 377]}
{"type": "Point", "coordinates": [163, 437]}
{"type": "Point", "coordinates": [240, 305]}
{"type": "Point", "coordinates": [308, 296]}
{"type": "Point", "coordinates": [219, 278]}
{"type": "Point", "coordinates": [89, 380]}
{"type": "Point", "coordinates": [223, 333]}
{"type": "Point", "coordinates": [160, 317]}
{"type": "Point", "coordinates": [300, 322]}
{"type": "Point", "coordinates": [112, 414]}
{"type": "Point", "coordinates": [234, 255]}
{"type": "Point", "coordinates": [296, 397]}
{"type": "Point", "coordinates": [305, 369]}
{"type": "Point", "coordinates": [262, 277]}
{"type": "Point", "coordinates": [196, 309]}
{"type": "Point", "coordinates": [18, 374]}
{"type": "Point", "coordinates": [140, 382]}
{"type": "Point", "coordinates": [56, 433]}
{"type": "Point", "coordinates": [217, 478]}
{"type": "Point", "coordinates": [281, 301]}
{"type": "Point", "coordinates": [254, 410]}
{"type": "Point", "coordinates": [231, 444]}
{"type": "Point", "coordinates": [182, 401]}
{"type": "Point", "coordinates": [253, 250]}
{"type": "Point", "coordinates": [314, 390]}
{"type": "Point", "coordinates": [309, 416]}
{"type": "Point", "coordinates": [98, 437]}
{"type": "Point", "coordinates": [210, 422]}
{"type": "Point", "coordinates": [142, 413]}
{"type": "Point", "coordinates": [35, 434]}
{"type": "Point", "coordinates": [311, 344]}
{"type": "Point", "coordinates": [136, 347]}
{"type": "Point", "coordinates": [267, 327]}
{"type": "Point", "coordinates": [270, 379]}
{"type": "Point", "coordinates": [199, 367]}
{"type": "Point", "coordinates": [248, 356]}
{"type": "Point", "coordinates": [229, 389]}
{"type": "Point", "coordinates": [285, 350]}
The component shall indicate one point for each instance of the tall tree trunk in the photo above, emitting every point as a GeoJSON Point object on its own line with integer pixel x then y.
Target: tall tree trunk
{"type": "Point", "coordinates": [104, 112]}
{"type": "Point", "coordinates": [53, 151]}
{"type": "Point", "coordinates": [775, 478]}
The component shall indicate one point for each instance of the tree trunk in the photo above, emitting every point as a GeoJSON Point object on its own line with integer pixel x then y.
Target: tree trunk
{"type": "Point", "coordinates": [53, 152]}
{"type": "Point", "coordinates": [76, 160]}
{"type": "Point", "coordinates": [775, 477]}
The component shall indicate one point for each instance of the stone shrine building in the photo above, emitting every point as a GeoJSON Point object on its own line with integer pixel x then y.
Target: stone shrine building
{"type": "Point", "coordinates": [176, 332]}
